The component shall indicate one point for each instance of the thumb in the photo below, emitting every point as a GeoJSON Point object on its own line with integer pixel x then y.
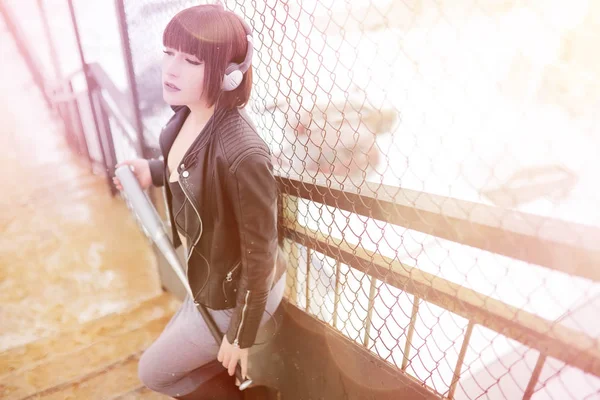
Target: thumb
{"type": "Point", "coordinates": [125, 162]}
{"type": "Point", "coordinates": [130, 164]}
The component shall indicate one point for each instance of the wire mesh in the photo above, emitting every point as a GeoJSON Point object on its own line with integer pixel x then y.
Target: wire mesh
{"type": "Point", "coordinates": [439, 105]}
{"type": "Point", "coordinates": [481, 101]}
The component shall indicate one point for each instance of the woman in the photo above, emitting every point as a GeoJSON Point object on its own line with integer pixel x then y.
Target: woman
{"type": "Point", "coordinates": [222, 198]}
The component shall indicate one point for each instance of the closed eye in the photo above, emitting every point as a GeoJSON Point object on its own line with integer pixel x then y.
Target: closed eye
{"type": "Point", "coordinates": [171, 53]}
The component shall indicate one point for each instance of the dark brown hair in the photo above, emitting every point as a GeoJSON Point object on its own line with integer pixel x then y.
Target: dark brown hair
{"type": "Point", "coordinates": [217, 37]}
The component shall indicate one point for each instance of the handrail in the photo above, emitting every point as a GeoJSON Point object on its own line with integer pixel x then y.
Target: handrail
{"type": "Point", "coordinates": [559, 245]}
{"type": "Point", "coordinates": [550, 338]}
{"type": "Point", "coordinates": [116, 103]}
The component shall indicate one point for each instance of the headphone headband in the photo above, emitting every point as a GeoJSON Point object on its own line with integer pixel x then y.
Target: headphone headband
{"type": "Point", "coordinates": [234, 73]}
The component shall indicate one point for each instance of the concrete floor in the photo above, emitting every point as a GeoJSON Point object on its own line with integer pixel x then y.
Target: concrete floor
{"type": "Point", "coordinates": [69, 252]}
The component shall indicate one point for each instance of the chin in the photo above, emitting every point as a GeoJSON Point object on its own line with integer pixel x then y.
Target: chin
{"type": "Point", "coordinates": [170, 100]}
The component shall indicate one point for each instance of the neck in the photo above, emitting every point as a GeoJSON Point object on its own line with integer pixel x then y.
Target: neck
{"type": "Point", "coordinates": [200, 114]}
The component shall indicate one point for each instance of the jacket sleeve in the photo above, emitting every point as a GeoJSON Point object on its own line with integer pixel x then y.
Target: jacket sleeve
{"type": "Point", "coordinates": [253, 193]}
{"type": "Point", "coordinates": [157, 171]}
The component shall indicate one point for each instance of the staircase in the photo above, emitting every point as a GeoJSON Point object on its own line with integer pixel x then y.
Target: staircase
{"type": "Point", "coordinates": [95, 360]}
{"type": "Point", "coordinates": [80, 292]}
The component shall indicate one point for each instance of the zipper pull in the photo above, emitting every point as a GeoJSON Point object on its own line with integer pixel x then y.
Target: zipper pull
{"type": "Point", "coordinates": [229, 278]}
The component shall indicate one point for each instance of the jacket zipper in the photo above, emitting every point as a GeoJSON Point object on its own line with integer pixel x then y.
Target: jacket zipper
{"type": "Point", "coordinates": [236, 342]}
{"type": "Point", "coordinates": [166, 206]}
{"type": "Point", "coordinates": [191, 251]}
{"type": "Point", "coordinates": [229, 278]}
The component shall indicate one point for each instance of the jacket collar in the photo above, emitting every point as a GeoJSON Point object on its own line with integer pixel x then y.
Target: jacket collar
{"type": "Point", "coordinates": [170, 131]}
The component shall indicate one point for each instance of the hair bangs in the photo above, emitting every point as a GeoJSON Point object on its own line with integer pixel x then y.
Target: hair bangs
{"type": "Point", "coordinates": [184, 33]}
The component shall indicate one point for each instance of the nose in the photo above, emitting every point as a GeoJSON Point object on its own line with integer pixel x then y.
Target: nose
{"type": "Point", "coordinates": [171, 67]}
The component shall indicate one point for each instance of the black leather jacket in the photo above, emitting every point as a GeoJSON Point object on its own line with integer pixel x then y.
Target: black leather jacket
{"type": "Point", "coordinates": [230, 217]}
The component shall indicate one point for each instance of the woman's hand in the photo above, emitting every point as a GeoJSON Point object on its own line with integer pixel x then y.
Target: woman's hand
{"type": "Point", "coordinates": [229, 355]}
{"type": "Point", "coordinates": [141, 170]}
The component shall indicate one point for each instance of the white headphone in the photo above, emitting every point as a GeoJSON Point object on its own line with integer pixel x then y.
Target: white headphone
{"type": "Point", "coordinates": [234, 73]}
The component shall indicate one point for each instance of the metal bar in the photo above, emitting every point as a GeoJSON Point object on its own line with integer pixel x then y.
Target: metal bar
{"type": "Point", "coordinates": [69, 78]}
{"type": "Point", "coordinates": [111, 108]}
{"type": "Point", "coordinates": [461, 360]}
{"type": "Point", "coordinates": [336, 299]}
{"type": "Point", "coordinates": [76, 119]}
{"type": "Point", "coordinates": [128, 58]}
{"type": "Point", "coordinates": [535, 376]}
{"type": "Point", "coordinates": [112, 156]}
{"type": "Point", "coordinates": [290, 211]}
{"type": "Point", "coordinates": [563, 246]}
{"type": "Point", "coordinates": [367, 325]}
{"type": "Point", "coordinates": [51, 47]}
{"type": "Point", "coordinates": [307, 279]}
{"type": "Point", "coordinates": [91, 87]}
{"type": "Point", "coordinates": [65, 111]}
{"type": "Point", "coordinates": [78, 41]}
{"type": "Point", "coordinates": [104, 136]}
{"type": "Point", "coordinates": [21, 42]}
{"type": "Point", "coordinates": [103, 80]}
{"type": "Point", "coordinates": [411, 331]}
{"type": "Point", "coordinates": [574, 348]}
{"type": "Point", "coordinates": [63, 97]}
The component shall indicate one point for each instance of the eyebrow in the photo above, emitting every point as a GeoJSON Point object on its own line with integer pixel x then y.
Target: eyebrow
{"type": "Point", "coordinates": [179, 51]}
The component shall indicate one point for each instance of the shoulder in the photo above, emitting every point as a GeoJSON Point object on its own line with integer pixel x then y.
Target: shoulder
{"type": "Point", "coordinates": [239, 139]}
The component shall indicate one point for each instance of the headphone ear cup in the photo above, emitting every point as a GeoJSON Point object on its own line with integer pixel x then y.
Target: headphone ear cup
{"type": "Point", "coordinates": [232, 80]}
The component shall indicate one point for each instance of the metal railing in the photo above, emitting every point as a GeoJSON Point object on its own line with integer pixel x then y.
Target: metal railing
{"type": "Point", "coordinates": [406, 230]}
{"type": "Point", "coordinates": [102, 123]}
{"type": "Point", "coordinates": [447, 218]}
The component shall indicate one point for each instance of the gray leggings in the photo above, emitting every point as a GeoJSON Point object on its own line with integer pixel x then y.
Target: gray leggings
{"type": "Point", "coordinates": [179, 361]}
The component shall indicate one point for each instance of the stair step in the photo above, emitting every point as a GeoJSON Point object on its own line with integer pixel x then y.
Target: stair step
{"type": "Point", "coordinates": [114, 380]}
{"type": "Point", "coordinates": [88, 333]}
{"type": "Point", "coordinates": [142, 392]}
{"type": "Point", "coordinates": [74, 366]}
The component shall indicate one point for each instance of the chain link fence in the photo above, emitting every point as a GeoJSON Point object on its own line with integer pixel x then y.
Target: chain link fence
{"type": "Point", "coordinates": [458, 104]}
{"type": "Point", "coordinates": [438, 170]}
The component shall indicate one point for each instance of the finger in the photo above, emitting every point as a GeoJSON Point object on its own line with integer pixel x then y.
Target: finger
{"type": "Point", "coordinates": [244, 362]}
{"type": "Point", "coordinates": [220, 355]}
{"type": "Point", "coordinates": [226, 360]}
{"type": "Point", "coordinates": [232, 365]}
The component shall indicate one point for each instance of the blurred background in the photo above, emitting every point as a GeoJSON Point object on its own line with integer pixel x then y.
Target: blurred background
{"type": "Point", "coordinates": [437, 162]}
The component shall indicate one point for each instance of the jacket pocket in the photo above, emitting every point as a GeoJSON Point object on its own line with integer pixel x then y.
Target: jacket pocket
{"type": "Point", "coordinates": [230, 283]}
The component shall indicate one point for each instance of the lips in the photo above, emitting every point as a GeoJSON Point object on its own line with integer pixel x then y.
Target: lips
{"type": "Point", "coordinates": [170, 87]}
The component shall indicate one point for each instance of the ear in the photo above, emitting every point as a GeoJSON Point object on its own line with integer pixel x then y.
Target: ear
{"type": "Point", "coordinates": [232, 80]}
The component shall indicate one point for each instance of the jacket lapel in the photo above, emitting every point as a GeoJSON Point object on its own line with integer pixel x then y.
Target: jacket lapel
{"type": "Point", "coordinates": [170, 131]}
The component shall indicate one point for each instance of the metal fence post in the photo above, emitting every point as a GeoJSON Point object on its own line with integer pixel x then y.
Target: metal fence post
{"type": "Point", "coordinates": [128, 59]}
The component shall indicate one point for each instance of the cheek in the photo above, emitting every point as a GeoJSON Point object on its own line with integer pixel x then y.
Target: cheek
{"type": "Point", "coordinates": [195, 80]}
{"type": "Point", "coordinates": [196, 85]}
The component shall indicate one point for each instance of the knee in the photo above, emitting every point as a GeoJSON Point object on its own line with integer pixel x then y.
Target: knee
{"type": "Point", "coordinates": [150, 375]}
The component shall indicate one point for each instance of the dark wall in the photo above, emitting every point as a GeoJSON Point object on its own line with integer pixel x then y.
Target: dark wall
{"type": "Point", "coordinates": [305, 359]}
